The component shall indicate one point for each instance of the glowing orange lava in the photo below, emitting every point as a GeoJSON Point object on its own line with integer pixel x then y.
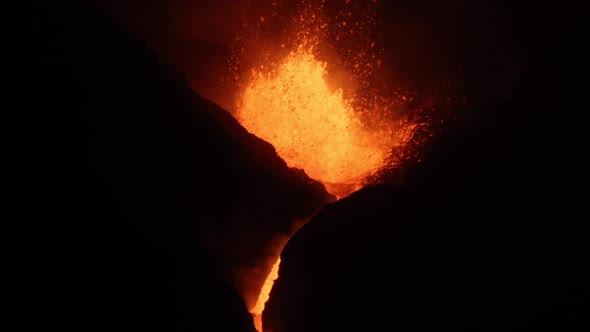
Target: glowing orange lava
{"type": "Point", "coordinates": [264, 294]}
{"type": "Point", "coordinates": [311, 125]}
{"type": "Point", "coordinates": [318, 104]}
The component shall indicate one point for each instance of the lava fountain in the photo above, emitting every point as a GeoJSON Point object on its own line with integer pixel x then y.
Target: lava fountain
{"type": "Point", "coordinates": [311, 125]}
{"type": "Point", "coordinates": [312, 92]}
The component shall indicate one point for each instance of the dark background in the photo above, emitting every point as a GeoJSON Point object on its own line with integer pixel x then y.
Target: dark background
{"type": "Point", "coordinates": [147, 191]}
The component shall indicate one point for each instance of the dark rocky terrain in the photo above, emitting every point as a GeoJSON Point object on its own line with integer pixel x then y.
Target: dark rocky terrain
{"type": "Point", "coordinates": [172, 212]}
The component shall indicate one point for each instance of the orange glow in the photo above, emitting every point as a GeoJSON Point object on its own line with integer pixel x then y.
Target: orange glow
{"type": "Point", "coordinates": [311, 125]}
{"type": "Point", "coordinates": [312, 92]}
{"type": "Point", "coordinates": [264, 295]}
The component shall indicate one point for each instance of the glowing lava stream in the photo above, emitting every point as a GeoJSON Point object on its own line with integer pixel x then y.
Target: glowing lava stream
{"type": "Point", "coordinates": [264, 295]}
{"type": "Point", "coordinates": [311, 125]}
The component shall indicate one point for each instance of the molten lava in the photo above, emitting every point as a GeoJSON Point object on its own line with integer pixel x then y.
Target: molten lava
{"type": "Point", "coordinates": [311, 125]}
{"type": "Point", "coordinates": [316, 98]}
{"type": "Point", "coordinates": [264, 294]}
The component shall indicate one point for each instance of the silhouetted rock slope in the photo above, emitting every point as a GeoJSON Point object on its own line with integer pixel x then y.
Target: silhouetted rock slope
{"type": "Point", "coordinates": [162, 195]}
{"type": "Point", "coordinates": [487, 233]}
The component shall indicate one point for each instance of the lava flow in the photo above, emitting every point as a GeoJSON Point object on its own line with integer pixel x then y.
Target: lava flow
{"type": "Point", "coordinates": [264, 295]}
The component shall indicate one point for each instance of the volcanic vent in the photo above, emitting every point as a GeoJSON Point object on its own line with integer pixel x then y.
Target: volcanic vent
{"type": "Point", "coordinates": [304, 80]}
{"type": "Point", "coordinates": [314, 94]}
